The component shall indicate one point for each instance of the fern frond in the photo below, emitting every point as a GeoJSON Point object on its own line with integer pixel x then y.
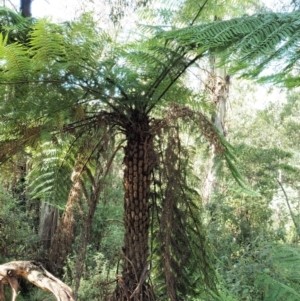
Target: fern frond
{"type": "Point", "coordinates": [49, 169]}
{"type": "Point", "coordinates": [15, 26]}
{"type": "Point", "coordinates": [9, 17]}
{"type": "Point", "coordinates": [275, 290]}
{"type": "Point", "coordinates": [46, 44]}
{"type": "Point", "coordinates": [17, 141]}
{"type": "Point", "coordinates": [257, 39]}
{"type": "Point", "coordinates": [14, 61]}
{"type": "Point", "coordinates": [184, 253]}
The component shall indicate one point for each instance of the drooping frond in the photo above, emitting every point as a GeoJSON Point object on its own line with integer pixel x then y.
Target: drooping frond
{"type": "Point", "coordinates": [222, 148]}
{"type": "Point", "coordinates": [183, 266]}
{"type": "Point", "coordinates": [251, 42]}
{"type": "Point", "coordinates": [207, 129]}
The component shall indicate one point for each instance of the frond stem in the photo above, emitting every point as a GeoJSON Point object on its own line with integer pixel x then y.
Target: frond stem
{"type": "Point", "coordinates": [163, 75]}
{"type": "Point", "coordinates": [186, 66]}
{"type": "Point", "coordinates": [198, 13]}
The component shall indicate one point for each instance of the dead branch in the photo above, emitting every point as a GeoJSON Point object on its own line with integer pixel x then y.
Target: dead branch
{"type": "Point", "coordinates": [35, 273]}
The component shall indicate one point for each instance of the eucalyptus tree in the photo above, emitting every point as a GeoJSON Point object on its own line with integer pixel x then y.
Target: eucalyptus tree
{"type": "Point", "coordinates": [138, 89]}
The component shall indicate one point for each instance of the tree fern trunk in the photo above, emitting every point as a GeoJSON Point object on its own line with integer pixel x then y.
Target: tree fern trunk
{"type": "Point", "coordinates": [139, 161]}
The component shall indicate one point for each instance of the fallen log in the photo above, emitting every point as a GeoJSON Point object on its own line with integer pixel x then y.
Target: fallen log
{"type": "Point", "coordinates": [35, 273]}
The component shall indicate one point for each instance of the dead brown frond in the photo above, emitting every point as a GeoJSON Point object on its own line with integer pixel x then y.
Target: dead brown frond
{"type": "Point", "coordinates": [207, 129]}
{"type": "Point", "coordinates": [184, 253]}
{"type": "Point", "coordinates": [28, 137]}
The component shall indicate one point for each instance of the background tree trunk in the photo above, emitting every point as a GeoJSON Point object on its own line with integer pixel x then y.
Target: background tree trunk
{"type": "Point", "coordinates": [63, 239]}
{"type": "Point", "coordinates": [25, 7]}
{"type": "Point", "coordinates": [92, 201]}
{"type": "Point", "coordinates": [218, 86]}
{"type": "Point", "coordinates": [48, 224]}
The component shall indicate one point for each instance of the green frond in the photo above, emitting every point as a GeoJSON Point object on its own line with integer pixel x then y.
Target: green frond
{"type": "Point", "coordinates": [50, 168]}
{"type": "Point", "coordinates": [9, 17]}
{"type": "Point", "coordinates": [250, 42]}
{"type": "Point", "coordinates": [232, 166]}
{"type": "Point", "coordinates": [14, 25]}
{"type": "Point", "coordinates": [13, 60]}
{"type": "Point", "coordinates": [46, 44]}
{"type": "Point", "coordinates": [266, 271]}
{"type": "Point", "coordinates": [276, 290]}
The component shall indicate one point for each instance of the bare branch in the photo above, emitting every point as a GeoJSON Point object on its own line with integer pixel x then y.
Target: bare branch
{"type": "Point", "coordinates": [35, 273]}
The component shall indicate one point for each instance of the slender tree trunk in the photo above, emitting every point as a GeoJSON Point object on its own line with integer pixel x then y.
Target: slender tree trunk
{"type": "Point", "coordinates": [63, 239]}
{"type": "Point", "coordinates": [288, 203]}
{"type": "Point", "coordinates": [218, 87]}
{"type": "Point", "coordinates": [92, 202]}
{"type": "Point", "coordinates": [48, 224]}
{"type": "Point", "coordinates": [139, 162]}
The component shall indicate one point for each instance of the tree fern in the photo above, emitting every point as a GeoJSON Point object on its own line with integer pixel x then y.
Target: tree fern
{"type": "Point", "coordinates": [126, 86]}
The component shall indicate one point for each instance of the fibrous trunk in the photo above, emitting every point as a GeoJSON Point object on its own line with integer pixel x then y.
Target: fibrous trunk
{"type": "Point", "coordinates": [139, 161]}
